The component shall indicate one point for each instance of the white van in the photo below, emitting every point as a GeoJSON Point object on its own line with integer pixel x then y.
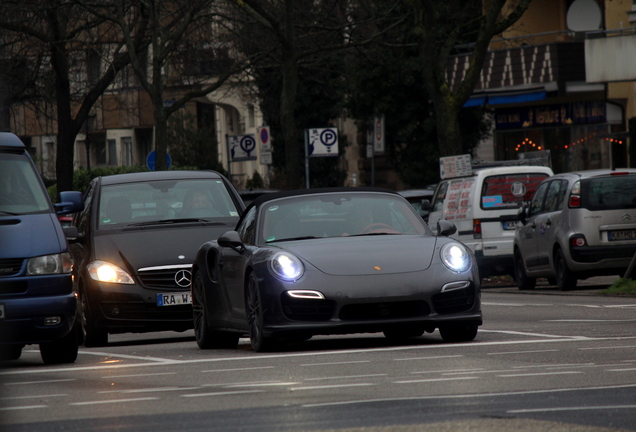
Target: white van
{"type": "Point", "coordinates": [484, 208]}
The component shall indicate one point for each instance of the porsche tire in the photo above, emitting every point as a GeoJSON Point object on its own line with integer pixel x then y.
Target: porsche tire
{"type": "Point", "coordinates": [254, 306]}
{"type": "Point", "coordinates": [459, 332]}
{"type": "Point", "coordinates": [205, 337]}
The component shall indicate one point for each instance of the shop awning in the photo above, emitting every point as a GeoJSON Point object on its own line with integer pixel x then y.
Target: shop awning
{"type": "Point", "coordinates": [510, 95]}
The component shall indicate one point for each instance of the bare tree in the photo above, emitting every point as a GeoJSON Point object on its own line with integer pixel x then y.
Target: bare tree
{"type": "Point", "coordinates": [441, 25]}
{"type": "Point", "coordinates": [61, 32]}
{"type": "Point", "coordinates": [176, 30]}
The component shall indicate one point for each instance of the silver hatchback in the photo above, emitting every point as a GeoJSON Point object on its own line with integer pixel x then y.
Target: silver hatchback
{"type": "Point", "coordinates": [578, 225]}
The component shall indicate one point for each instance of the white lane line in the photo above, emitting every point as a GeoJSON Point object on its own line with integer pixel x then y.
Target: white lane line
{"type": "Point", "coordinates": [521, 352]}
{"type": "Point", "coordinates": [335, 363]}
{"type": "Point", "coordinates": [427, 358]}
{"type": "Point", "coordinates": [168, 362]}
{"type": "Point", "coordinates": [547, 365]}
{"type": "Point", "coordinates": [335, 386]}
{"type": "Point", "coordinates": [517, 304]}
{"type": "Point", "coordinates": [271, 384]}
{"type": "Point", "coordinates": [34, 396]}
{"type": "Point", "coordinates": [433, 380]}
{"type": "Point", "coordinates": [580, 408]}
{"type": "Point", "coordinates": [40, 382]}
{"type": "Point", "coordinates": [101, 402]}
{"type": "Point", "coordinates": [23, 407]}
{"type": "Point", "coordinates": [479, 372]}
{"type": "Point", "coordinates": [150, 390]}
{"type": "Point", "coordinates": [448, 371]}
{"type": "Point", "coordinates": [237, 369]}
{"type": "Point", "coordinates": [621, 370]}
{"type": "Point", "coordinates": [591, 320]}
{"type": "Point", "coordinates": [540, 374]}
{"type": "Point", "coordinates": [606, 348]}
{"type": "Point", "coordinates": [139, 375]}
{"type": "Point", "coordinates": [466, 396]}
{"type": "Point", "coordinates": [345, 377]}
{"type": "Point", "coordinates": [125, 356]}
{"type": "Point", "coordinates": [222, 393]}
{"type": "Point", "coordinates": [532, 334]}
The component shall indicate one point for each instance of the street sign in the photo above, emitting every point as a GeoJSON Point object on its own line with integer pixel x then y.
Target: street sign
{"type": "Point", "coordinates": [323, 142]}
{"type": "Point", "coordinates": [378, 135]}
{"type": "Point", "coordinates": [151, 161]}
{"type": "Point", "coordinates": [264, 139]}
{"type": "Point", "coordinates": [455, 166]}
{"type": "Point", "coordinates": [242, 147]}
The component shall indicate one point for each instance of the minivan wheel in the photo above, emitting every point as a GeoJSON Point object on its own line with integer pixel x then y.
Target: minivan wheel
{"type": "Point", "coordinates": [10, 352]}
{"type": "Point", "coordinates": [63, 350]}
{"type": "Point", "coordinates": [565, 278]}
{"type": "Point", "coordinates": [523, 281]}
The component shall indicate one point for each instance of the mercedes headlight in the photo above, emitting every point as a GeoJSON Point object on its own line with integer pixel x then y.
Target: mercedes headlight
{"type": "Point", "coordinates": [286, 266]}
{"type": "Point", "coordinates": [455, 257]}
{"type": "Point", "coordinates": [103, 271]}
{"type": "Point", "coordinates": [61, 263]}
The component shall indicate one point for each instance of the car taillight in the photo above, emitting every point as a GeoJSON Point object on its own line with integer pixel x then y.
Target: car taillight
{"type": "Point", "coordinates": [578, 241]}
{"type": "Point", "coordinates": [575, 201]}
{"type": "Point", "coordinates": [476, 228]}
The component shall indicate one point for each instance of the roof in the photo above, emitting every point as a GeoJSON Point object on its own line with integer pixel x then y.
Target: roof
{"type": "Point", "coordinates": [7, 139]}
{"type": "Point", "coordinates": [415, 193]}
{"type": "Point", "coordinates": [158, 175]}
{"type": "Point", "coordinates": [597, 172]}
{"type": "Point", "coordinates": [299, 192]}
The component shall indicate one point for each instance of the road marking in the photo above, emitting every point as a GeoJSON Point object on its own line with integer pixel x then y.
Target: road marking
{"type": "Point", "coordinates": [256, 357]}
{"type": "Point", "coordinates": [40, 382]}
{"type": "Point", "coordinates": [591, 320]}
{"type": "Point", "coordinates": [338, 386]}
{"type": "Point", "coordinates": [126, 356]}
{"type": "Point", "coordinates": [433, 380]}
{"type": "Point", "coordinates": [100, 402]}
{"type": "Point", "coordinates": [222, 393]}
{"type": "Point", "coordinates": [237, 369]}
{"type": "Point", "coordinates": [139, 375]}
{"type": "Point", "coordinates": [335, 363]}
{"type": "Point", "coordinates": [532, 334]}
{"type": "Point", "coordinates": [521, 352]}
{"type": "Point", "coordinates": [466, 396]}
{"type": "Point", "coordinates": [34, 396]}
{"type": "Point", "coordinates": [149, 390]}
{"type": "Point", "coordinates": [560, 409]}
{"type": "Point", "coordinates": [427, 358]}
{"type": "Point", "coordinates": [606, 348]}
{"type": "Point", "coordinates": [345, 377]}
{"type": "Point", "coordinates": [23, 407]}
{"type": "Point", "coordinates": [621, 370]}
{"type": "Point", "coordinates": [539, 374]}
{"type": "Point", "coordinates": [267, 384]}
{"type": "Point", "coordinates": [449, 371]}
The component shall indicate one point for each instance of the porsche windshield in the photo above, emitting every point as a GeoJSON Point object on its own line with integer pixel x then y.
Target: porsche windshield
{"type": "Point", "coordinates": [337, 215]}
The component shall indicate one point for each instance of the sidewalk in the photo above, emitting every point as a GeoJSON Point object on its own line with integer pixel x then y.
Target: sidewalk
{"type": "Point", "coordinates": [591, 286]}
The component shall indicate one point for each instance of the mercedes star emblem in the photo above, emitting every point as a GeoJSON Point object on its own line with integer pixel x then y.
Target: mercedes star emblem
{"type": "Point", "coordinates": [183, 278]}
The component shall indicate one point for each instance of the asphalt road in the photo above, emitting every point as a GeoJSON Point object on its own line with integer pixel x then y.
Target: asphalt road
{"type": "Point", "coordinates": [543, 361]}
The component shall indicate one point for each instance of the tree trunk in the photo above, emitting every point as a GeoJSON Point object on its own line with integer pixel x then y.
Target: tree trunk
{"type": "Point", "coordinates": [449, 136]}
{"type": "Point", "coordinates": [293, 155]}
{"type": "Point", "coordinates": [161, 137]}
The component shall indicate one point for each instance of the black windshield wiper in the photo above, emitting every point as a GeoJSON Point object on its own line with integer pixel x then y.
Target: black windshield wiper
{"type": "Point", "coordinates": [176, 221]}
{"type": "Point", "coordinates": [294, 238]}
{"type": "Point", "coordinates": [9, 213]}
{"type": "Point", "coordinates": [376, 234]}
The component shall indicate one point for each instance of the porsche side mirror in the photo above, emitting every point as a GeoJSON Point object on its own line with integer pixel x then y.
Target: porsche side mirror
{"type": "Point", "coordinates": [232, 240]}
{"type": "Point", "coordinates": [445, 228]}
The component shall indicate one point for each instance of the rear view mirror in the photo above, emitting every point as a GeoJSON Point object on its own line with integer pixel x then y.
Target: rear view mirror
{"type": "Point", "coordinates": [445, 228]}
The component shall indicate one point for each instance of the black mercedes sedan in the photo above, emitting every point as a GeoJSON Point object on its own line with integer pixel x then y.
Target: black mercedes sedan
{"type": "Point", "coordinates": [333, 261]}
{"type": "Point", "coordinates": [138, 236]}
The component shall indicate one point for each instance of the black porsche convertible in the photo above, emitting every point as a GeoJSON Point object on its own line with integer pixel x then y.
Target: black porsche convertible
{"type": "Point", "coordinates": [333, 261]}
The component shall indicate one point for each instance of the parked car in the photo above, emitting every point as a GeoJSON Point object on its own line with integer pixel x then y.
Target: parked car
{"type": "Point", "coordinates": [415, 198]}
{"type": "Point", "coordinates": [484, 207]}
{"type": "Point", "coordinates": [327, 261]}
{"type": "Point", "coordinates": [37, 303]}
{"type": "Point", "coordinates": [578, 225]}
{"type": "Point", "coordinates": [138, 236]}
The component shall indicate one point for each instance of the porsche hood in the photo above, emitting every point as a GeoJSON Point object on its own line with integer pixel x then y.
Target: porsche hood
{"type": "Point", "coordinates": [354, 256]}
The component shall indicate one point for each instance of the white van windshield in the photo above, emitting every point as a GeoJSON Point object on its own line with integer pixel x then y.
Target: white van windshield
{"type": "Point", "coordinates": [20, 189]}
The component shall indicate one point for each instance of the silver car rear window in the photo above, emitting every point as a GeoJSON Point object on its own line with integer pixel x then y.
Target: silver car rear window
{"type": "Point", "coordinates": [609, 193]}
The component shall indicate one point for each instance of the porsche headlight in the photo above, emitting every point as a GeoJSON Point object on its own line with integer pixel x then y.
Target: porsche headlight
{"type": "Point", "coordinates": [455, 257]}
{"type": "Point", "coordinates": [286, 266]}
{"type": "Point", "coordinates": [103, 271]}
{"type": "Point", "coordinates": [50, 264]}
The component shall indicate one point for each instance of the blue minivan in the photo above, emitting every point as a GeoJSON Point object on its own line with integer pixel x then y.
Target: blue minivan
{"type": "Point", "coordinates": [37, 302]}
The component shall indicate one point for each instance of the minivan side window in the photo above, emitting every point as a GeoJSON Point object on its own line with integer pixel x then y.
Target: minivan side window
{"type": "Point", "coordinates": [536, 206]}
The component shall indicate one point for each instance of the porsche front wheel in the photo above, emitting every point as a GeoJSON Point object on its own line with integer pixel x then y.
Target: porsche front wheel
{"type": "Point", "coordinates": [459, 332]}
{"type": "Point", "coordinates": [254, 311]}
{"type": "Point", "coordinates": [206, 338]}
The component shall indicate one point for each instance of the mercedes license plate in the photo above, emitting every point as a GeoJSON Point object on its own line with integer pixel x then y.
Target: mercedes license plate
{"type": "Point", "coordinates": [621, 235]}
{"type": "Point", "coordinates": [173, 299]}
